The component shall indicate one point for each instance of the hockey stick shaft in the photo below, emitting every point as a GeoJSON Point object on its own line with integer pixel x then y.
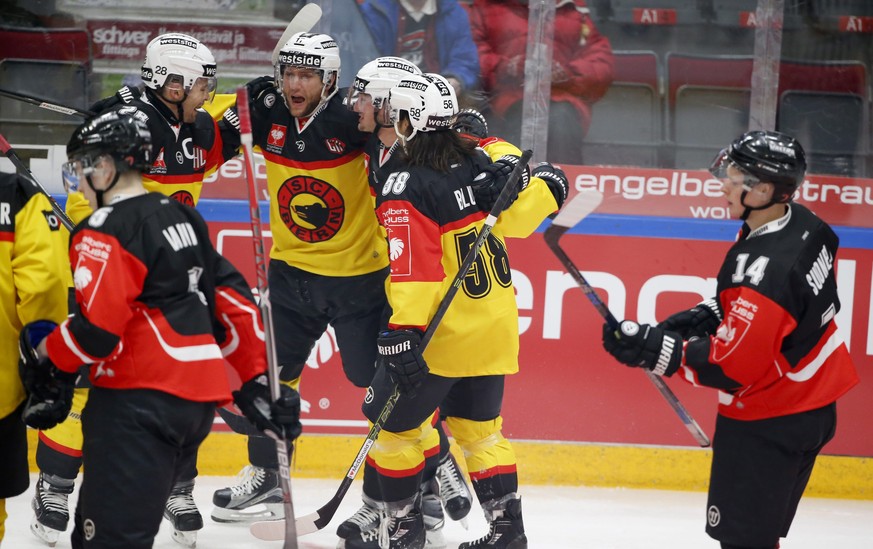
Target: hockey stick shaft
{"type": "Point", "coordinates": [552, 236]}
{"type": "Point", "coordinates": [306, 18]}
{"type": "Point", "coordinates": [282, 444]}
{"type": "Point", "coordinates": [19, 164]}
{"type": "Point", "coordinates": [46, 104]}
{"type": "Point", "coordinates": [319, 519]}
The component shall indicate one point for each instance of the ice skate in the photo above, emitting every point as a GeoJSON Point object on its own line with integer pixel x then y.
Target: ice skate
{"type": "Point", "coordinates": [51, 512]}
{"type": "Point", "coordinates": [396, 530]}
{"type": "Point", "coordinates": [454, 492]}
{"type": "Point", "coordinates": [365, 519]}
{"type": "Point", "coordinates": [434, 519]}
{"type": "Point", "coordinates": [256, 496]}
{"type": "Point", "coordinates": [182, 513]}
{"type": "Point", "coordinates": [506, 528]}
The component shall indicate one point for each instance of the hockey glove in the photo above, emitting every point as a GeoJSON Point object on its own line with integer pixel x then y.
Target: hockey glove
{"type": "Point", "coordinates": [702, 320]}
{"type": "Point", "coordinates": [556, 179]}
{"type": "Point", "coordinates": [489, 183]}
{"type": "Point", "coordinates": [259, 86]}
{"type": "Point", "coordinates": [123, 96]}
{"type": "Point", "coordinates": [50, 390]}
{"type": "Point", "coordinates": [254, 401]}
{"type": "Point", "coordinates": [399, 353]}
{"type": "Point", "coordinates": [644, 346]}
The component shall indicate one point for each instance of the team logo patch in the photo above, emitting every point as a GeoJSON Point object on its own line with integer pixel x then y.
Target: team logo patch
{"type": "Point", "coordinates": [93, 256]}
{"type": "Point", "coordinates": [312, 209]}
{"type": "Point", "coordinates": [199, 157]}
{"type": "Point", "coordinates": [89, 528]}
{"type": "Point", "coordinates": [276, 138]}
{"type": "Point", "coordinates": [713, 516]}
{"type": "Point", "coordinates": [184, 197]}
{"type": "Point", "coordinates": [335, 145]}
{"type": "Point", "coordinates": [53, 222]}
{"type": "Point", "coordinates": [398, 250]}
{"type": "Point", "coordinates": [159, 165]}
{"type": "Point", "coordinates": [729, 335]}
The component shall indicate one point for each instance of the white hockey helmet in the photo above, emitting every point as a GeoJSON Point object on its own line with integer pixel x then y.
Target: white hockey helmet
{"type": "Point", "coordinates": [178, 57]}
{"type": "Point", "coordinates": [428, 99]}
{"type": "Point", "coordinates": [311, 51]}
{"type": "Point", "coordinates": [377, 77]}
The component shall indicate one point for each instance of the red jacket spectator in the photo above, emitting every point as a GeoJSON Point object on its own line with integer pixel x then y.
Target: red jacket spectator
{"type": "Point", "coordinates": [582, 57]}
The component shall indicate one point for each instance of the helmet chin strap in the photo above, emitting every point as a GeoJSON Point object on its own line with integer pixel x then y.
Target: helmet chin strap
{"type": "Point", "coordinates": [98, 194]}
{"type": "Point", "coordinates": [749, 209]}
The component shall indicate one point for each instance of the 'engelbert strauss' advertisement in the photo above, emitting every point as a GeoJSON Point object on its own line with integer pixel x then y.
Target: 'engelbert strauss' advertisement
{"type": "Point", "coordinates": [653, 247]}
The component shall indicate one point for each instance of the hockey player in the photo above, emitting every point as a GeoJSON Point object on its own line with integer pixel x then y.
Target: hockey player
{"type": "Point", "coordinates": [329, 258]}
{"type": "Point", "coordinates": [431, 219]}
{"type": "Point", "coordinates": [767, 342]}
{"type": "Point", "coordinates": [179, 74]}
{"type": "Point", "coordinates": [443, 483]}
{"type": "Point", "coordinates": [33, 285]}
{"type": "Point", "coordinates": [159, 312]}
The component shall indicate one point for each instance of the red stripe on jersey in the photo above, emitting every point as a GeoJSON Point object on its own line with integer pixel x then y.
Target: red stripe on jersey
{"type": "Point", "coordinates": [7, 236]}
{"type": "Point", "coordinates": [464, 222]}
{"type": "Point", "coordinates": [338, 162]}
{"type": "Point", "coordinates": [58, 447]}
{"type": "Point", "coordinates": [395, 473]}
{"type": "Point", "coordinates": [493, 472]}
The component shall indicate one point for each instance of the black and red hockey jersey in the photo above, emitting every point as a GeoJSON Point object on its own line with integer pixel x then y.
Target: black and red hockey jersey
{"type": "Point", "coordinates": [184, 154]}
{"type": "Point", "coordinates": [159, 308]}
{"type": "Point", "coordinates": [777, 351]}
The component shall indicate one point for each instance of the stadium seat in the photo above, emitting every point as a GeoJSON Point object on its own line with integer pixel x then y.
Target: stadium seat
{"type": "Point", "coordinates": [626, 127]}
{"type": "Point", "coordinates": [657, 12]}
{"type": "Point", "coordinates": [707, 104]}
{"type": "Point", "coordinates": [52, 64]}
{"type": "Point", "coordinates": [825, 106]}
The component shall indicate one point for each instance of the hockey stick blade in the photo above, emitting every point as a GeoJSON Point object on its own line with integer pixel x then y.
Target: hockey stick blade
{"type": "Point", "coordinates": [272, 530]}
{"type": "Point", "coordinates": [305, 19]}
{"type": "Point", "coordinates": [572, 213]}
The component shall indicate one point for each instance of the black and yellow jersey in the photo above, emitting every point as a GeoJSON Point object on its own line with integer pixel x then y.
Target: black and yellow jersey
{"type": "Point", "coordinates": [432, 221]}
{"type": "Point", "coordinates": [34, 274]}
{"type": "Point", "coordinates": [183, 154]}
{"type": "Point", "coordinates": [321, 213]}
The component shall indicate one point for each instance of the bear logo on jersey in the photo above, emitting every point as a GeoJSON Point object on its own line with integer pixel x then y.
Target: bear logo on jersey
{"type": "Point", "coordinates": [312, 209]}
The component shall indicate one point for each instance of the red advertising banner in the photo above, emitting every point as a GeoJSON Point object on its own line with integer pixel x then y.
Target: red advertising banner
{"type": "Point", "coordinates": [569, 389]}
{"type": "Point", "coordinates": [691, 194]}
{"type": "Point", "coordinates": [114, 40]}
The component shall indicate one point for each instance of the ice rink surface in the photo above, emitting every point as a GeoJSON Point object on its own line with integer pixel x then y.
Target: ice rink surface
{"type": "Point", "coordinates": [555, 518]}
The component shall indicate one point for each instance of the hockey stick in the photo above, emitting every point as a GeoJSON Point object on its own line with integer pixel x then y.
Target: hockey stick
{"type": "Point", "coordinates": [46, 104]}
{"type": "Point", "coordinates": [270, 530]}
{"type": "Point", "coordinates": [303, 21]}
{"type": "Point", "coordinates": [245, 123]}
{"type": "Point", "coordinates": [19, 164]}
{"type": "Point", "coordinates": [573, 212]}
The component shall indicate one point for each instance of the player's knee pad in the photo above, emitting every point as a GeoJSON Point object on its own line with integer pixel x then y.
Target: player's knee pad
{"type": "Point", "coordinates": [483, 443]}
{"type": "Point", "coordinates": [472, 435]}
{"type": "Point", "coordinates": [404, 450]}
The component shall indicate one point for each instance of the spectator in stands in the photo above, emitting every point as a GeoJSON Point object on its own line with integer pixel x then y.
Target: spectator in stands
{"type": "Point", "coordinates": [433, 34]}
{"type": "Point", "coordinates": [581, 70]}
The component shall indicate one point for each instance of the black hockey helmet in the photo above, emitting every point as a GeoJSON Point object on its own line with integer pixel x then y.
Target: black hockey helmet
{"type": "Point", "coordinates": [122, 136]}
{"type": "Point", "coordinates": [471, 122]}
{"type": "Point", "coordinates": [765, 156]}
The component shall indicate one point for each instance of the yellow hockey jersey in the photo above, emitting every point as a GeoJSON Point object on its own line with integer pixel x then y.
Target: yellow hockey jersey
{"type": "Point", "coordinates": [34, 275]}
